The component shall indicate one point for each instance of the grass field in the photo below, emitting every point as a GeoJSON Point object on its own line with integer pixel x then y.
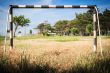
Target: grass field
{"type": "Point", "coordinates": [56, 54]}
{"type": "Point", "coordinates": [1, 40]}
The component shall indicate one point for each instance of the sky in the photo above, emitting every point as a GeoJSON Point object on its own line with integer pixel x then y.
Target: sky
{"type": "Point", "coordinates": [38, 16]}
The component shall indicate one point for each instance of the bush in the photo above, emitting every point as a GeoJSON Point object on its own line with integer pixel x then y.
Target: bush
{"type": "Point", "coordinates": [46, 34]}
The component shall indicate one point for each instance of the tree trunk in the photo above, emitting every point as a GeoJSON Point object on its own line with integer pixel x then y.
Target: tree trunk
{"type": "Point", "coordinates": [107, 31]}
{"type": "Point", "coordinates": [81, 34]}
{"type": "Point", "coordinates": [15, 30]}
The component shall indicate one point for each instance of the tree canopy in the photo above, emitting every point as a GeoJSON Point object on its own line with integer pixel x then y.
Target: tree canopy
{"type": "Point", "coordinates": [81, 25]}
{"type": "Point", "coordinates": [20, 21]}
{"type": "Point", "coordinates": [105, 21]}
{"type": "Point", "coordinates": [44, 28]}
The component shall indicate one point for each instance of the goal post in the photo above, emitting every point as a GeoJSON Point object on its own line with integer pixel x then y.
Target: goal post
{"type": "Point", "coordinates": [95, 20]}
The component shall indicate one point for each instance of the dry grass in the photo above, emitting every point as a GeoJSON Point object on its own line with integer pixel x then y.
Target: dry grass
{"type": "Point", "coordinates": [62, 54]}
{"type": "Point", "coordinates": [58, 55]}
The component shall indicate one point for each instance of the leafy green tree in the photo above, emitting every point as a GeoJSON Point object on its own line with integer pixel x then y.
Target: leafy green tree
{"type": "Point", "coordinates": [105, 21]}
{"type": "Point", "coordinates": [30, 31]}
{"type": "Point", "coordinates": [60, 26]}
{"type": "Point", "coordinates": [44, 28]}
{"type": "Point", "coordinates": [89, 29]}
{"type": "Point", "coordinates": [67, 30]}
{"type": "Point", "coordinates": [82, 20]}
{"type": "Point", "coordinates": [47, 27]}
{"type": "Point", "coordinates": [74, 30]}
{"type": "Point", "coordinates": [40, 27]}
{"type": "Point", "coordinates": [20, 21]}
{"type": "Point", "coordinates": [72, 23]}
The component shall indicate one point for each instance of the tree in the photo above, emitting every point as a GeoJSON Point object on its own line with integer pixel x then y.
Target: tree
{"type": "Point", "coordinates": [19, 32]}
{"type": "Point", "coordinates": [40, 27]}
{"type": "Point", "coordinates": [82, 20]}
{"type": "Point", "coordinates": [60, 26]}
{"type": "Point", "coordinates": [67, 30]}
{"type": "Point", "coordinates": [44, 28]}
{"type": "Point", "coordinates": [30, 31]}
{"type": "Point", "coordinates": [72, 23]}
{"type": "Point", "coordinates": [47, 27]}
{"type": "Point", "coordinates": [105, 21]}
{"type": "Point", "coordinates": [20, 21]}
{"type": "Point", "coordinates": [89, 29]}
{"type": "Point", "coordinates": [74, 30]}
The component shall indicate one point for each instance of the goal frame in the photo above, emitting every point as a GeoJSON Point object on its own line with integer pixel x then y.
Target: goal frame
{"type": "Point", "coordinates": [95, 20]}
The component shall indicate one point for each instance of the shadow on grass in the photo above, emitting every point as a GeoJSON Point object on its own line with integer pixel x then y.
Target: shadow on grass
{"type": "Point", "coordinates": [102, 66]}
{"type": "Point", "coordinates": [98, 66]}
{"type": "Point", "coordinates": [23, 67]}
{"type": "Point", "coordinates": [26, 69]}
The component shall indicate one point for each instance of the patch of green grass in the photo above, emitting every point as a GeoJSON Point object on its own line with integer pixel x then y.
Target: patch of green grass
{"type": "Point", "coordinates": [53, 38]}
{"type": "Point", "coordinates": [66, 38]}
{"type": "Point", "coordinates": [28, 37]}
{"type": "Point", "coordinates": [1, 40]}
{"type": "Point", "coordinates": [106, 37]}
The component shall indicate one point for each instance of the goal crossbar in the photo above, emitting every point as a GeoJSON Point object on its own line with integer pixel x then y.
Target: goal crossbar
{"type": "Point", "coordinates": [52, 6]}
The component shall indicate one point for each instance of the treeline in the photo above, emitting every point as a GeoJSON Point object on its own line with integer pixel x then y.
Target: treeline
{"type": "Point", "coordinates": [105, 22]}
{"type": "Point", "coordinates": [82, 25]}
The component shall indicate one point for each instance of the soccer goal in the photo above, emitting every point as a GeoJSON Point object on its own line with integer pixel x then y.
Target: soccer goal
{"type": "Point", "coordinates": [93, 7]}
